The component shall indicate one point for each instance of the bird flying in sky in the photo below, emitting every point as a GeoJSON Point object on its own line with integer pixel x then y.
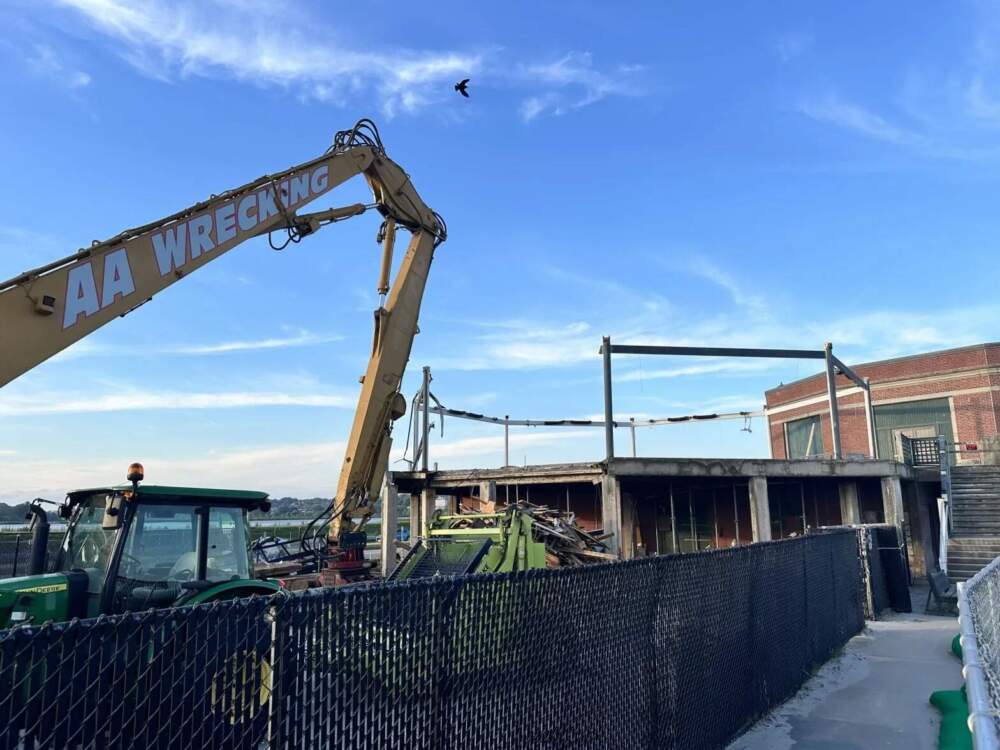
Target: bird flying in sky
{"type": "Point", "coordinates": [462, 87]}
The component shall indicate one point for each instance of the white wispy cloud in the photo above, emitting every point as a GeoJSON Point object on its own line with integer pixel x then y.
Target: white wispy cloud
{"type": "Point", "coordinates": [517, 344]}
{"type": "Point", "coordinates": [702, 267]}
{"type": "Point", "coordinates": [857, 336]}
{"type": "Point", "coordinates": [460, 453]}
{"type": "Point", "coordinates": [792, 44]}
{"type": "Point", "coordinates": [944, 111]}
{"type": "Point", "coordinates": [281, 44]}
{"type": "Point", "coordinates": [269, 43]}
{"type": "Point", "coordinates": [981, 103]}
{"type": "Point", "coordinates": [709, 368]}
{"type": "Point", "coordinates": [296, 469]}
{"type": "Point", "coordinates": [833, 110]}
{"type": "Point", "coordinates": [572, 81]}
{"type": "Point", "coordinates": [19, 405]}
{"type": "Point", "coordinates": [304, 469]}
{"type": "Point", "coordinates": [46, 62]}
{"type": "Point", "coordinates": [301, 338]}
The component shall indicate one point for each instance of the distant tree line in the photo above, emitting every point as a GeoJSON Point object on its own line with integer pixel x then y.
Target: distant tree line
{"type": "Point", "coordinates": [283, 507]}
{"type": "Point", "coordinates": [294, 507]}
{"type": "Point", "coordinates": [19, 514]}
{"type": "Point", "coordinates": [310, 507]}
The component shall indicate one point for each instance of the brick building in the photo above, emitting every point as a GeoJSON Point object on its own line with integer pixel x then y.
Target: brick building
{"type": "Point", "coordinates": [951, 392]}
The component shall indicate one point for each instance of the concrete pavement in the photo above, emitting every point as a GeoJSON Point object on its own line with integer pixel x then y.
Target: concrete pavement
{"type": "Point", "coordinates": [874, 694]}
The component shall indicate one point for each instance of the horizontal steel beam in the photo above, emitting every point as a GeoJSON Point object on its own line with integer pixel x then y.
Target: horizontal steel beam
{"type": "Point", "coordinates": [717, 351]}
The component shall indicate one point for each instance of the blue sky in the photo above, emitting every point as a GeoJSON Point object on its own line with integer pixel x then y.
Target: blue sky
{"type": "Point", "coordinates": [756, 174]}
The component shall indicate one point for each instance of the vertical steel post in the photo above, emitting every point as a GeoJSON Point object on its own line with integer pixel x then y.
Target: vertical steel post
{"type": "Point", "coordinates": [17, 553]}
{"type": "Point", "coordinates": [944, 468]}
{"type": "Point", "coordinates": [802, 492]}
{"type": "Point", "coordinates": [631, 426]}
{"type": "Point", "coordinates": [609, 424]}
{"type": "Point", "coordinates": [694, 528]}
{"type": "Point", "coordinates": [425, 427]}
{"type": "Point", "coordinates": [673, 520]}
{"type": "Point", "coordinates": [715, 516]}
{"type": "Point", "coordinates": [870, 419]}
{"type": "Point", "coordinates": [506, 440]}
{"type": "Point", "coordinates": [736, 515]}
{"type": "Point", "coordinates": [831, 390]}
{"type": "Point", "coordinates": [656, 526]}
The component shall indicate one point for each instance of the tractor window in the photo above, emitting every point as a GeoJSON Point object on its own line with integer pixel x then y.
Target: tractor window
{"type": "Point", "coordinates": [159, 555]}
{"type": "Point", "coordinates": [161, 544]}
{"type": "Point", "coordinates": [89, 546]}
{"type": "Point", "coordinates": [228, 555]}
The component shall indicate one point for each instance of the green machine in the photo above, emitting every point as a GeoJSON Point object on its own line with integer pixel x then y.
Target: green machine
{"type": "Point", "coordinates": [474, 543]}
{"type": "Point", "coordinates": [129, 549]}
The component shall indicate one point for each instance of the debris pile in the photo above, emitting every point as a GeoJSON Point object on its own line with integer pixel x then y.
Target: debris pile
{"type": "Point", "coordinates": [566, 543]}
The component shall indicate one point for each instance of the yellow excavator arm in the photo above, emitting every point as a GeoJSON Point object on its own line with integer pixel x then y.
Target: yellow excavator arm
{"type": "Point", "coordinates": [47, 309]}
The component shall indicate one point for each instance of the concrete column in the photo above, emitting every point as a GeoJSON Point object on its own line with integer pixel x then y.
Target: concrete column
{"type": "Point", "coordinates": [628, 519]}
{"type": "Point", "coordinates": [415, 523]}
{"type": "Point", "coordinates": [488, 496]}
{"type": "Point", "coordinates": [427, 498]}
{"type": "Point", "coordinates": [892, 501]}
{"type": "Point", "coordinates": [389, 526]}
{"type": "Point", "coordinates": [850, 508]}
{"type": "Point", "coordinates": [760, 510]}
{"type": "Point", "coordinates": [611, 512]}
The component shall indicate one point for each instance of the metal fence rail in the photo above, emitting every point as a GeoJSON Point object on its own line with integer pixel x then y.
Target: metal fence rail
{"type": "Point", "coordinates": [675, 652]}
{"type": "Point", "coordinates": [979, 617]}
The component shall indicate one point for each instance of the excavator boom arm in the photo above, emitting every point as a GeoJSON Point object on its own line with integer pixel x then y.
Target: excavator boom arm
{"type": "Point", "coordinates": [48, 309]}
{"type": "Point", "coordinates": [45, 310]}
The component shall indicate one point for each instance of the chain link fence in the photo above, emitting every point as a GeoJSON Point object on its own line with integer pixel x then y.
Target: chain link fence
{"type": "Point", "coordinates": [15, 554]}
{"type": "Point", "coordinates": [680, 651]}
{"type": "Point", "coordinates": [979, 617]}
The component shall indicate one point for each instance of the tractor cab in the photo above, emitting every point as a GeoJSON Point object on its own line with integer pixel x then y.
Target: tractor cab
{"type": "Point", "coordinates": [129, 548]}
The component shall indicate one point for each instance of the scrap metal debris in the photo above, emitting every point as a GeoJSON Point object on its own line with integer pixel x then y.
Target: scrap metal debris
{"type": "Point", "coordinates": [567, 544]}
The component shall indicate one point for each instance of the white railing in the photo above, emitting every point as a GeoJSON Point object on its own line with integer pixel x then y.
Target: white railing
{"type": "Point", "coordinates": [979, 618]}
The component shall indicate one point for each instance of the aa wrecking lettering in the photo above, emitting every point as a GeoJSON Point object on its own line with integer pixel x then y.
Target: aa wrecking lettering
{"type": "Point", "coordinates": [178, 244]}
{"type": "Point", "coordinates": [181, 243]}
{"type": "Point", "coordinates": [82, 299]}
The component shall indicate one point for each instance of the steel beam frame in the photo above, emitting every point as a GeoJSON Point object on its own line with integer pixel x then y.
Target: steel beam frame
{"type": "Point", "coordinates": [834, 367]}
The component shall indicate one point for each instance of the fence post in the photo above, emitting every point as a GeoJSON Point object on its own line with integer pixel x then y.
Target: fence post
{"type": "Point", "coordinates": [274, 678]}
{"type": "Point", "coordinates": [17, 552]}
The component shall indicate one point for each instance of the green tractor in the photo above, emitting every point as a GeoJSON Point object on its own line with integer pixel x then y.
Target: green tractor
{"type": "Point", "coordinates": [129, 549]}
